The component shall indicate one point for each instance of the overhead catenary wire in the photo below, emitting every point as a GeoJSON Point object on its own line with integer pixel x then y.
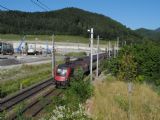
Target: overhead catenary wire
{"type": "Point", "coordinates": [43, 4]}
{"type": "Point", "coordinates": [38, 5]}
{"type": "Point", "coordinates": [4, 7]}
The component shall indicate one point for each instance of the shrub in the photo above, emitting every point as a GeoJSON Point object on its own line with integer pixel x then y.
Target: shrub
{"type": "Point", "coordinates": [66, 113]}
{"type": "Point", "coordinates": [112, 66]}
{"type": "Point", "coordinates": [2, 115]}
{"type": "Point", "coordinates": [140, 78]}
{"type": "Point", "coordinates": [81, 89]}
{"type": "Point", "coordinates": [69, 106]}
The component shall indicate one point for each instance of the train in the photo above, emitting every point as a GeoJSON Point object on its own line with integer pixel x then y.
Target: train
{"type": "Point", "coordinates": [6, 48]}
{"type": "Point", "coordinates": [64, 72]}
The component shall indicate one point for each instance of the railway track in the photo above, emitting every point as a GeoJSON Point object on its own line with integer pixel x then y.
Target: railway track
{"type": "Point", "coordinates": [10, 101]}
{"type": "Point", "coordinates": [34, 108]}
{"type": "Point", "coordinates": [39, 105]}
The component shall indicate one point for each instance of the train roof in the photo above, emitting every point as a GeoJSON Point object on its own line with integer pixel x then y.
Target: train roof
{"type": "Point", "coordinates": [72, 63]}
{"type": "Point", "coordinates": [63, 65]}
{"type": "Point", "coordinates": [79, 61]}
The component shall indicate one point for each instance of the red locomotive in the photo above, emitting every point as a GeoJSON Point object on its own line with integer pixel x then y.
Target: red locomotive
{"type": "Point", "coordinates": [63, 72]}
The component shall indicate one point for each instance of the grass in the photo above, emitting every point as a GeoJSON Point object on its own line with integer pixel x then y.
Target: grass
{"type": "Point", "coordinates": [58, 38]}
{"type": "Point", "coordinates": [111, 101]}
{"type": "Point", "coordinates": [27, 75]}
{"type": "Point", "coordinates": [76, 54]}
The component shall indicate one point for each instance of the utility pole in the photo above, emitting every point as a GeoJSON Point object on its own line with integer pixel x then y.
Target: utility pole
{"type": "Point", "coordinates": [117, 45]}
{"type": "Point", "coordinates": [114, 47]}
{"type": "Point", "coordinates": [46, 47]}
{"type": "Point", "coordinates": [78, 45]}
{"type": "Point", "coordinates": [91, 52]}
{"type": "Point", "coordinates": [125, 42]}
{"type": "Point", "coordinates": [129, 99]}
{"type": "Point", "coordinates": [2, 48]}
{"type": "Point", "coordinates": [97, 55]}
{"type": "Point", "coordinates": [91, 72]}
{"type": "Point", "coordinates": [53, 56]}
{"type": "Point", "coordinates": [36, 45]}
{"type": "Point", "coordinates": [109, 52]}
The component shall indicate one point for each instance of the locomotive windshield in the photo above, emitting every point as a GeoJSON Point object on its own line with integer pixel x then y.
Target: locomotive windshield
{"type": "Point", "coordinates": [61, 71]}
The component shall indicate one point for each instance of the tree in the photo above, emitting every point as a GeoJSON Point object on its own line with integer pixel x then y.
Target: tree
{"type": "Point", "coordinates": [128, 67]}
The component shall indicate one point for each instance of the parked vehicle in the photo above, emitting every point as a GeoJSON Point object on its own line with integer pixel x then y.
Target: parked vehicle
{"type": "Point", "coordinates": [32, 51]}
{"type": "Point", "coordinates": [6, 48]}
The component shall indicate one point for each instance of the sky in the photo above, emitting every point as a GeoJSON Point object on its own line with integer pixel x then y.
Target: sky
{"type": "Point", "coordinates": [131, 13]}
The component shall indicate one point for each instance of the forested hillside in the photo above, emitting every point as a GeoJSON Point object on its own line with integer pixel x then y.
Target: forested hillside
{"type": "Point", "coordinates": [67, 21]}
{"type": "Point", "coordinates": [157, 30]}
{"type": "Point", "coordinates": [150, 34]}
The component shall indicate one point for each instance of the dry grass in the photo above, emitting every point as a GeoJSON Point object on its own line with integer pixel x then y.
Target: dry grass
{"type": "Point", "coordinates": [111, 102]}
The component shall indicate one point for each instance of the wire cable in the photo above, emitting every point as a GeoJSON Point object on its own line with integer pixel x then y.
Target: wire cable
{"type": "Point", "coordinates": [38, 5]}
{"type": "Point", "coordinates": [43, 4]}
{"type": "Point", "coordinates": [4, 7]}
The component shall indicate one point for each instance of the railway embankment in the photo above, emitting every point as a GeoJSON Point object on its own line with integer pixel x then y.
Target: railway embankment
{"type": "Point", "coordinates": [17, 78]}
{"type": "Point", "coordinates": [112, 100]}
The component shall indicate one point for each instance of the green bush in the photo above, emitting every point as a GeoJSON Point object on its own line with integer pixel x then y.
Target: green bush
{"type": "Point", "coordinates": [66, 113]}
{"type": "Point", "coordinates": [141, 62]}
{"type": "Point", "coordinates": [140, 78]}
{"type": "Point", "coordinates": [77, 93]}
{"type": "Point", "coordinates": [79, 90]}
{"type": "Point", "coordinates": [112, 66]}
{"type": "Point", "coordinates": [2, 116]}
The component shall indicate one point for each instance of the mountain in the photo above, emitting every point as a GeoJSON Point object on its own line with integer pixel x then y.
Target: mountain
{"type": "Point", "coordinates": [150, 34]}
{"type": "Point", "coordinates": [69, 21]}
{"type": "Point", "coordinates": [157, 30]}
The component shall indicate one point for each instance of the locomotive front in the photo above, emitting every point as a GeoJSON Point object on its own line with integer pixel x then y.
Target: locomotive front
{"type": "Point", "coordinates": [61, 75]}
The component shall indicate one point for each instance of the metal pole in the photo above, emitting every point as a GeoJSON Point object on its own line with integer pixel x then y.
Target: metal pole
{"type": "Point", "coordinates": [114, 47]}
{"type": "Point", "coordinates": [78, 45]}
{"type": "Point", "coordinates": [46, 47]}
{"type": "Point", "coordinates": [117, 44]}
{"type": "Point", "coordinates": [53, 56]}
{"type": "Point", "coordinates": [129, 99]}
{"type": "Point", "coordinates": [91, 57]}
{"type": "Point", "coordinates": [109, 49]}
{"type": "Point", "coordinates": [36, 45]}
{"type": "Point", "coordinates": [97, 54]}
{"type": "Point", "coordinates": [2, 48]}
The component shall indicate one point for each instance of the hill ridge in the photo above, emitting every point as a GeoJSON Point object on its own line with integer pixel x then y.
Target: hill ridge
{"type": "Point", "coordinates": [150, 34]}
{"type": "Point", "coordinates": [66, 21]}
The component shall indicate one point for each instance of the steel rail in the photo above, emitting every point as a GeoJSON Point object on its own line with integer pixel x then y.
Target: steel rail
{"type": "Point", "coordinates": [12, 100]}
{"type": "Point", "coordinates": [36, 108]}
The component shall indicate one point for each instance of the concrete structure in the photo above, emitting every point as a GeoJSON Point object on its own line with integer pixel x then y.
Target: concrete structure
{"type": "Point", "coordinates": [62, 47]}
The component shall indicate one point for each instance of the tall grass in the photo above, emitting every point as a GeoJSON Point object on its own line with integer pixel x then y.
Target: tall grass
{"type": "Point", "coordinates": [111, 102]}
{"type": "Point", "coordinates": [27, 75]}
